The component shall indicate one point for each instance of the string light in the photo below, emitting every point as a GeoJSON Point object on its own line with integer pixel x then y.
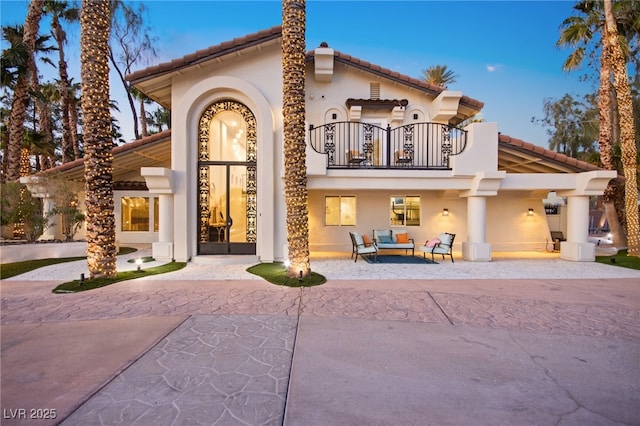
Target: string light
{"type": "Point", "coordinates": [293, 89]}
{"type": "Point", "coordinates": [95, 24]}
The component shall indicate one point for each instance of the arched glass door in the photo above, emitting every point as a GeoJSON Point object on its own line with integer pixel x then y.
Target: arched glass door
{"type": "Point", "coordinates": [227, 179]}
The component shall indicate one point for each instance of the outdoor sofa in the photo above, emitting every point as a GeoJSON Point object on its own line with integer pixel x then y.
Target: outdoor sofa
{"type": "Point", "coordinates": [393, 239]}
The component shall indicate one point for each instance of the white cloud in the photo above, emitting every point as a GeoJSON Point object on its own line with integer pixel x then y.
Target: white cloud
{"type": "Point", "coordinates": [492, 68]}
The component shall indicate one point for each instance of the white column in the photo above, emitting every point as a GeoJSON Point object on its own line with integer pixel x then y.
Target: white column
{"type": "Point", "coordinates": [165, 233]}
{"type": "Point", "coordinates": [476, 249]}
{"type": "Point", "coordinates": [577, 247]}
{"type": "Point", "coordinates": [160, 181]}
{"type": "Point", "coordinates": [51, 232]}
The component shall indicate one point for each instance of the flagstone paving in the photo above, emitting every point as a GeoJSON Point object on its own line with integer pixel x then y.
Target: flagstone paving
{"type": "Point", "coordinates": [349, 352]}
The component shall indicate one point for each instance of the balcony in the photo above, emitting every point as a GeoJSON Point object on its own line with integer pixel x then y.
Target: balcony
{"type": "Point", "coordinates": [424, 146]}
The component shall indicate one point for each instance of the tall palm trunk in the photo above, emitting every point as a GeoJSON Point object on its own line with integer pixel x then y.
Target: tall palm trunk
{"type": "Point", "coordinates": [627, 130]}
{"type": "Point", "coordinates": [143, 119]}
{"type": "Point", "coordinates": [605, 142]}
{"type": "Point", "coordinates": [67, 145]}
{"type": "Point", "coordinates": [95, 24]}
{"type": "Point", "coordinates": [21, 92]}
{"type": "Point", "coordinates": [293, 109]}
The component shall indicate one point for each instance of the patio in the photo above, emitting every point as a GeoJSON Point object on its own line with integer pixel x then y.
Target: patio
{"type": "Point", "coordinates": [340, 266]}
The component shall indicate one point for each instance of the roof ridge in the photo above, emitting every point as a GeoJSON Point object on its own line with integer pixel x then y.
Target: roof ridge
{"type": "Point", "coordinates": [206, 53]}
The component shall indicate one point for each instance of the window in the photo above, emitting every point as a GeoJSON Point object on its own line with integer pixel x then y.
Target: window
{"type": "Point", "coordinates": [340, 211]}
{"type": "Point", "coordinates": [405, 211]}
{"type": "Point", "coordinates": [156, 214]}
{"type": "Point", "coordinates": [135, 213]}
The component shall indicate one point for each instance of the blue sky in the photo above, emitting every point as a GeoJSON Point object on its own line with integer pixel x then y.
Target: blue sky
{"type": "Point", "coordinates": [503, 52]}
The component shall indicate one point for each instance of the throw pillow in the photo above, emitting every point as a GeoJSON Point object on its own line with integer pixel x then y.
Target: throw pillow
{"type": "Point", "coordinates": [402, 238]}
{"type": "Point", "coordinates": [384, 239]}
{"type": "Point", "coordinates": [367, 241]}
{"type": "Point", "coordinates": [432, 242]}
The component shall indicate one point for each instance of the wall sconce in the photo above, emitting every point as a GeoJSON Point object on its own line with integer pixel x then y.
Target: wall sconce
{"type": "Point", "coordinates": [445, 212]}
{"type": "Point", "coordinates": [530, 213]}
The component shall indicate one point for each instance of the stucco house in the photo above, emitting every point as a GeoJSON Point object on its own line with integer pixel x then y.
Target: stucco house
{"type": "Point", "coordinates": [384, 151]}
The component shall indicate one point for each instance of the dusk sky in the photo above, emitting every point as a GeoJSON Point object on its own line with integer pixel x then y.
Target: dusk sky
{"type": "Point", "coordinates": [503, 52]}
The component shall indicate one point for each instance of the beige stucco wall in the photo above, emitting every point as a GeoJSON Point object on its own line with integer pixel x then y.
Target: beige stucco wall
{"type": "Point", "coordinates": [509, 227]}
{"type": "Point", "coordinates": [255, 80]}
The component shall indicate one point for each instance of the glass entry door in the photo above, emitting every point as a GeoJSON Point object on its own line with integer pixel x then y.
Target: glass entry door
{"type": "Point", "coordinates": [227, 212]}
{"type": "Point", "coordinates": [227, 180]}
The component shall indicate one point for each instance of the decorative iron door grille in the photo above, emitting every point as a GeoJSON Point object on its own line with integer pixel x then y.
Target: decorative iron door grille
{"type": "Point", "coordinates": [227, 179]}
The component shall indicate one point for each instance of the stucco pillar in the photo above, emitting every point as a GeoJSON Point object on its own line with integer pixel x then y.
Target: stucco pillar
{"type": "Point", "coordinates": [484, 184]}
{"type": "Point", "coordinates": [51, 232]}
{"type": "Point", "coordinates": [37, 189]}
{"type": "Point", "coordinates": [476, 249]}
{"type": "Point", "coordinates": [577, 247]}
{"type": "Point", "coordinates": [160, 181]}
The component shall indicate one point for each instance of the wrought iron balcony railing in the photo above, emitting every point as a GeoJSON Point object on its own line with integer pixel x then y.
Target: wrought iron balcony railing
{"type": "Point", "coordinates": [415, 146]}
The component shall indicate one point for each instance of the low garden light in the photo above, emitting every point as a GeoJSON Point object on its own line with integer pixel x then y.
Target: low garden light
{"type": "Point", "coordinates": [139, 263]}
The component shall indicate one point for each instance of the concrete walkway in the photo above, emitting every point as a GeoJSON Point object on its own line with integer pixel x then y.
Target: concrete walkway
{"type": "Point", "coordinates": [382, 349]}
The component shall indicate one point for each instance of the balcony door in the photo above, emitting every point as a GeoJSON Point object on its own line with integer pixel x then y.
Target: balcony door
{"type": "Point", "coordinates": [227, 180]}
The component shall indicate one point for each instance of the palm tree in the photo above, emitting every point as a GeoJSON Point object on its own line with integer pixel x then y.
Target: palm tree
{"type": "Point", "coordinates": [74, 120]}
{"type": "Point", "coordinates": [95, 24]}
{"type": "Point", "coordinates": [21, 89]}
{"type": "Point", "coordinates": [160, 118]}
{"type": "Point", "coordinates": [60, 10]}
{"type": "Point", "coordinates": [439, 75]}
{"type": "Point", "coordinates": [627, 130]}
{"type": "Point", "coordinates": [293, 110]}
{"type": "Point", "coordinates": [578, 32]}
{"type": "Point", "coordinates": [142, 100]}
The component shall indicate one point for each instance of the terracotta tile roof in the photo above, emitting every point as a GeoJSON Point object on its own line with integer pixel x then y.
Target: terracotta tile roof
{"type": "Point", "coordinates": [432, 89]}
{"type": "Point", "coordinates": [207, 54]}
{"type": "Point", "coordinates": [147, 140]}
{"type": "Point", "coordinates": [274, 33]}
{"type": "Point", "coordinates": [547, 154]}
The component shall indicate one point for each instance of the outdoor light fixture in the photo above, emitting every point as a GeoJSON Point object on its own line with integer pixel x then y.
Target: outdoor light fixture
{"type": "Point", "coordinates": [300, 278]}
{"type": "Point", "coordinates": [81, 280]}
{"type": "Point", "coordinates": [139, 262]}
{"type": "Point", "coordinates": [445, 212]}
{"type": "Point", "coordinates": [530, 212]}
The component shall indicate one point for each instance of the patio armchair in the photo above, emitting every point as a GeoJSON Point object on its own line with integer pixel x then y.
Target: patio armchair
{"type": "Point", "coordinates": [355, 157]}
{"type": "Point", "coordinates": [403, 157]}
{"type": "Point", "coordinates": [362, 247]}
{"type": "Point", "coordinates": [442, 245]}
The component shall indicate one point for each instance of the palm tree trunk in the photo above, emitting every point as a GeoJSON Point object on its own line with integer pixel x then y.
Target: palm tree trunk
{"type": "Point", "coordinates": [21, 92]}
{"type": "Point", "coordinates": [67, 146]}
{"type": "Point", "coordinates": [95, 25]}
{"type": "Point", "coordinates": [627, 131]}
{"type": "Point", "coordinates": [605, 142]}
{"type": "Point", "coordinates": [293, 109]}
{"type": "Point", "coordinates": [143, 119]}
{"type": "Point", "coordinates": [73, 122]}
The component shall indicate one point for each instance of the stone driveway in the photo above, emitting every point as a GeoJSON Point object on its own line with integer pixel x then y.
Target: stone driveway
{"type": "Point", "coordinates": [410, 351]}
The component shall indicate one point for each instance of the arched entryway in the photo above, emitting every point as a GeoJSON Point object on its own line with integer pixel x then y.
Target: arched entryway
{"type": "Point", "coordinates": [227, 179]}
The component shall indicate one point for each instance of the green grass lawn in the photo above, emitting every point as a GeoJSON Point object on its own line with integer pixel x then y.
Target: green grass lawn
{"type": "Point", "coordinates": [76, 286]}
{"type": "Point", "coordinates": [621, 259]}
{"type": "Point", "coordinates": [276, 273]}
{"type": "Point", "coordinates": [8, 270]}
